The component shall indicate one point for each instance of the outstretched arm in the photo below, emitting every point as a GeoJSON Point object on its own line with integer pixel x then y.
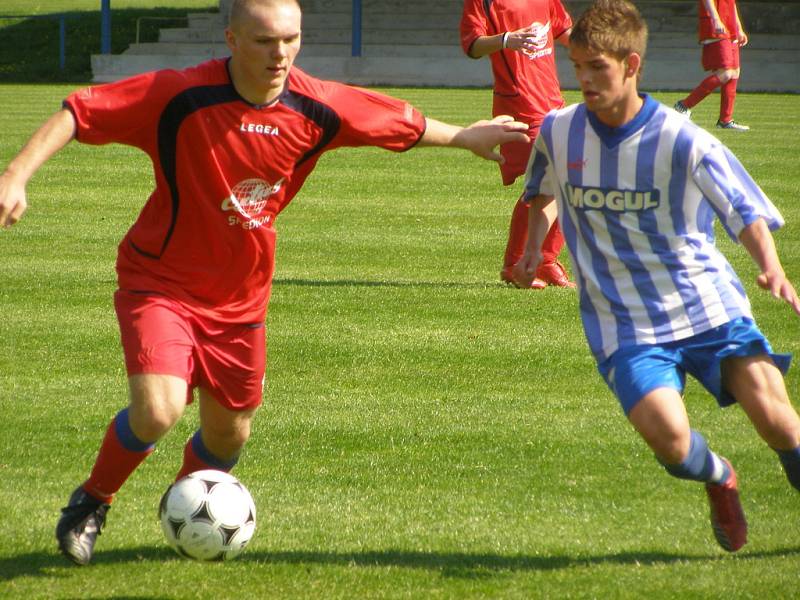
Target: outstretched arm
{"type": "Point", "coordinates": [541, 215]}
{"type": "Point", "coordinates": [481, 138]}
{"type": "Point", "coordinates": [758, 241]}
{"type": "Point", "coordinates": [56, 133]}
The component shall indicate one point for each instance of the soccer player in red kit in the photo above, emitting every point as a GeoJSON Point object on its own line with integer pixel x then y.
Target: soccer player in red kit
{"type": "Point", "coordinates": [231, 142]}
{"type": "Point", "coordinates": [721, 34]}
{"type": "Point", "coordinates": [519, 38]}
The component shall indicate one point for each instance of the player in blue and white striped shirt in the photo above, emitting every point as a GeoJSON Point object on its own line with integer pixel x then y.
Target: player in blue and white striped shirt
{"type": "Point", "coordinates": [637, 188]}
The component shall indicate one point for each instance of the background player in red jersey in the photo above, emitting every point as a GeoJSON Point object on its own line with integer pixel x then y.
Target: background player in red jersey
{"type": "Point", "coordinates": [519, 38]}
{"type": "Point", "coordinates": [721, 34]}
{"type": "Point", "coordinates": [195, 269]}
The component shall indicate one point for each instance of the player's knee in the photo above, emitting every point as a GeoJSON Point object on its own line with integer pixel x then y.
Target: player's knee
{"type": "Point", "coordinates": [149, 421]}
{"type": "Point", "coordinates": [154, 409]}
{"type": "Point", "coordinates": [671, 454]}
{"type": "Point", "coordinates": [671, 447]}
{"type": "Point", "coordinates": [227, 440]}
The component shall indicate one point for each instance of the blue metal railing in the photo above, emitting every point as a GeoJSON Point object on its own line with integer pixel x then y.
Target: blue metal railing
{"type": "Point", "coordinates": [355, 49]}
{"type": "Point", "coordinates": [62, 32]}
{"type": "Point", "coordinates": [105, 27]}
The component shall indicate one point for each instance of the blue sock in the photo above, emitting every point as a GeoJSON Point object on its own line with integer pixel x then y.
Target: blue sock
{"type": "Point", "coordinates": [125, 435]}
{"type": "Point", "coordinates": [701, 464]}
{"type": "Point", "coordinates": [790, 459]}
{"type": "Point", "coordinates": [205, 455]}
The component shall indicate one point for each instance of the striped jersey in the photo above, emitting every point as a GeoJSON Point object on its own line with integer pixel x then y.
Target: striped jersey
{"type": "Point", "coordinates": [637, 205]}
{"type": "Point", "coordinates": [223, 169]}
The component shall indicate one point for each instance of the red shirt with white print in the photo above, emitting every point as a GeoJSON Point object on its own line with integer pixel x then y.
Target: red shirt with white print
{"type": "Point", "coordinates": [224, 168]}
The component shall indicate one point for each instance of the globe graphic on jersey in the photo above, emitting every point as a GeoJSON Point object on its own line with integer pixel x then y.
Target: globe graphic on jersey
{"type": "Point", "coordinates": [252, 195]}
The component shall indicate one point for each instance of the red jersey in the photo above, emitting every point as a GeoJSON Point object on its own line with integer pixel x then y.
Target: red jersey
{"type": "Point", "coordinates": [224, 168]}
{"type": "Point", "coordinates": [526, 84]}
{"type": "Point", "coordinates": [727, 13]}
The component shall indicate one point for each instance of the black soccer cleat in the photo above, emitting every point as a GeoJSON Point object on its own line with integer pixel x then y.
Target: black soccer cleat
{"type": "Point", "coordinates": [681, 108]}
{"type": "Point", "coordinates": [80, 523]}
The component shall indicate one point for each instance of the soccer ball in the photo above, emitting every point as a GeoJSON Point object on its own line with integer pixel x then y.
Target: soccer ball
{"type": "Point", "coordinates": [208, 515]}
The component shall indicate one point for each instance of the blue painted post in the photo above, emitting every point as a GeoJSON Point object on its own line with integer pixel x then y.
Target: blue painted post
{"type": "Point", "coordinates": [62, 42]}
{"type": "Point", "coordinates": [105, 27]}
{"type": "Point", "coordinates": [356, 45]}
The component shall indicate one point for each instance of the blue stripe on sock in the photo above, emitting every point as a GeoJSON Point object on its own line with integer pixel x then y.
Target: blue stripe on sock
{"type": "Point", "coordinates": [699, 463]}
{"type": "Point", "coordinates": [205, 455]}
{"type": "Point", "coordinates": [125, 434]}
{"type": "Point", "coordinates": [790, 459]}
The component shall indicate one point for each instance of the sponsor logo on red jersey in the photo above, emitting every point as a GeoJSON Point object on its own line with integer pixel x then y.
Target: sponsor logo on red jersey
{"type": "Point", "coordinates": [259, 128]}
{"type": "Point", "coordinates": [248, 198]}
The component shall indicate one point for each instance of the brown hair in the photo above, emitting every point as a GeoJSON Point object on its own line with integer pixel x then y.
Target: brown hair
{"type": "Point", "coordinates": [612, 27]}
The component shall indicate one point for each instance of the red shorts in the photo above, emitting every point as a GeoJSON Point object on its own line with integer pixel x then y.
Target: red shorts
{"type": "Point", "coordinates": [516, 155]}
{"type": "Point", "coordinates": [161, 336]}
{"type": "Point", "coordinates": [722, 54]}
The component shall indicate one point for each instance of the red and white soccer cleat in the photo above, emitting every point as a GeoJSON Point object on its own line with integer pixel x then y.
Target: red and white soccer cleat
{"type": "Point", "coordinates": [727, 516]}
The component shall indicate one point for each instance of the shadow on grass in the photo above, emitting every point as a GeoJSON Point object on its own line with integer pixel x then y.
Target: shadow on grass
{"type": "Point", "coordinates": [449, 564]}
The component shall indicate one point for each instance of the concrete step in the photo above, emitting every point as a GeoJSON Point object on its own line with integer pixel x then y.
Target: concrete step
{"type": "Point", "coordinates": [207, 20]}
{"type": "Point", "coordinates": [416, 42]}
{"type": "Point", "coordinates": [330, 35]}
{"type": "Point", "coordinates": [786, 48]}
{"type": "Point", "coordinates": [422, 52]}
{"type": "Point", "coordinates": [662, 72]}
{"type": "Point", "coordinates": [203, 51]}
{"type": "Point", "coordinates": [390, 7]}
{"type": "Point", "coordinates": [689, 40]}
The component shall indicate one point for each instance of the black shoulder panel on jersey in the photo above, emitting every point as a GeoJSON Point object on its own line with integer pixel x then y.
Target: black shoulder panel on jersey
{"type": "Point", "coordinates": [180, 107]}
{"type": "Point", "coordinates": [322, 114]}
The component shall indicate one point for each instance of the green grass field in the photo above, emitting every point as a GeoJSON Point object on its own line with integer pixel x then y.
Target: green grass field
{"type": "Point", "coordinates": [427, 432]}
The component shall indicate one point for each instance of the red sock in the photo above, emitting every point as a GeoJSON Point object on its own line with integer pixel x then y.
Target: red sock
{"type": "Point", "coordinates": [727, 100]}
{"type": "Point", "coordinates": [115, 462]}
{"type": "Point", "coordinates": [553, 242]}
{"type": "Point", "coordinates": [517, 234]}
{"type": "Point", "coordinates": [196, 457]}
{"type": "Point", "coordinates": [708, 85]}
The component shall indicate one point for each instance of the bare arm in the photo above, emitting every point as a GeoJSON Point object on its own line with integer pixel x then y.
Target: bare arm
{"type": "Point", "coordinates": [519, 40]}
{"type": "Point", "coordinates": [56, 133]}
{"type": "Point", "coordinates": [541, 215]}
{"type": "Point", "coordinates": [481, 138]}
{"type": "Point", "coordinates": [741, 36]}
{"type": "Point", "coordinates": [758, 241]}
{"type": "Point", "coordinates": [711, 7]}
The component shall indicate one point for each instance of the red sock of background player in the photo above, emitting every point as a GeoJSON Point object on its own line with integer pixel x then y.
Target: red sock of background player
{"type": "Point", "coordinates": [120, 453]}
{"type": "Point", "coordinates": [196, 457]}
{"type": "Point", "coordinates": [517, 235]}
{"type": "Point", "coordinates": [708, 85]}
{"type": "Point", "coordinates": [727, 100]}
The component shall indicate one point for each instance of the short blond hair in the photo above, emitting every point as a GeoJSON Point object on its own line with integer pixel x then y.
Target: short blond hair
{"type": "Point", "coordinates": [612, 27]}
{"type": "Point", "coordinates": [240, 9]}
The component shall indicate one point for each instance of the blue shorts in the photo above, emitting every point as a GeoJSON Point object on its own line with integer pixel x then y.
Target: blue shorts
{"type": "Point", "coordinates": [634, 371]}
